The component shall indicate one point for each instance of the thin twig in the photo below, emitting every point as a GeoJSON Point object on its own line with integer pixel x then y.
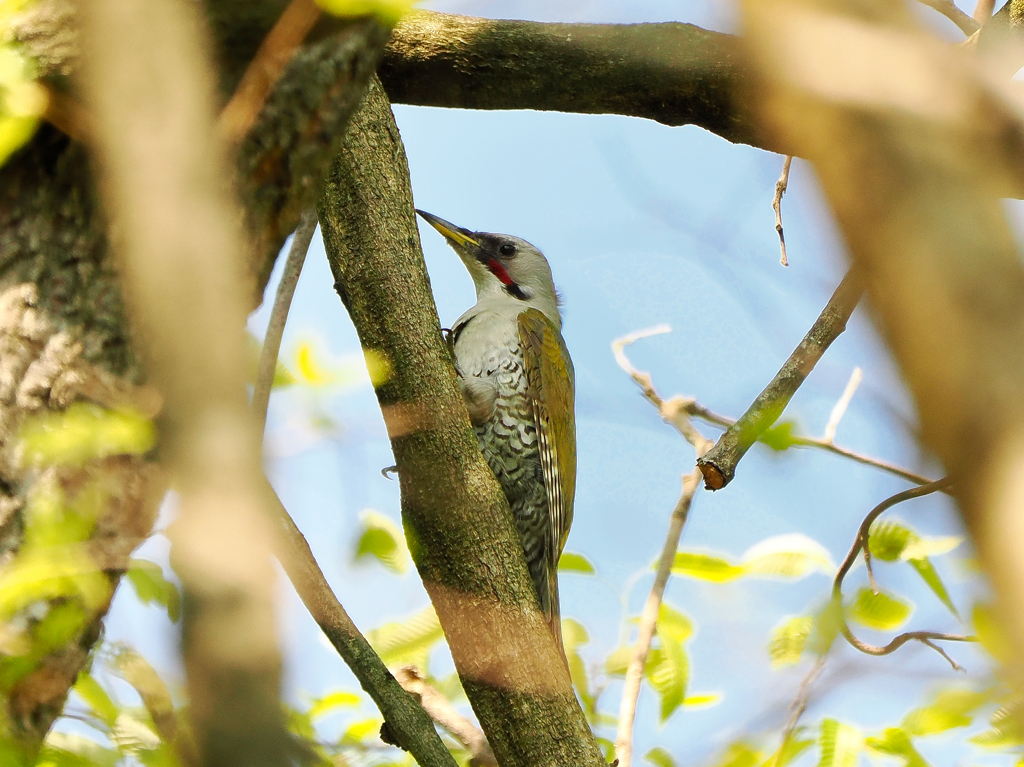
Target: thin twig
{"type": "Point", "coordinates": [265, 69]}
{"type": "Point", "coordinates": [948, 9]}
{"type": "Point", "coordinates": [840, 407]}
{"type": "Point", "coordinates": [798, 707]}
{"type": "Point", "coordinates": [279, 316]}
{"type": "Point", "coordinates": [780, 189]}
{"type": "Point", "coordinates": [443, 712]}
{"type": "Point", "coordinates": [983, 10]}
{"type": "Point", "coordinates": [861, 543]}
{"type": "Point", "coordinates": [719, 465]}
{"type": "Point", "coordinates": [674, 412]}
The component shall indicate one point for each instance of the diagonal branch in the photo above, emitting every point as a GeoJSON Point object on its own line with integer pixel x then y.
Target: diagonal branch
{"type": "Point", "coordinates": [719, 464]}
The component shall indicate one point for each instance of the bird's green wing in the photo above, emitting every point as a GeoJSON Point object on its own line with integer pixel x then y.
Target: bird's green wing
{"type": "Point", "coordinates": [551, 381]}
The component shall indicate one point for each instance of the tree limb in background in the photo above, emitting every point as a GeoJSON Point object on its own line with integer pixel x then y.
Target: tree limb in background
{"type": "Point", "coordinates": [915, 180]}
{"type": "Point", "coordinates": [442, 712]}
{"type": "Point", "coordinates": [861, 544]}
{"type": "Point", "coordinates": [460, 530]}
{"type": "Point", "coordinates": [718, 465]}
{"type": "Point", "coordinates": [150, 91]}
{"type": "Point", "coordinates": [983, 10]}
{"type": "Point", "coordinates": [652, 607]}
{"type": "Point", "coordinates": [947, 8]}
{"type": "Point", "coordinates": [408, 725]}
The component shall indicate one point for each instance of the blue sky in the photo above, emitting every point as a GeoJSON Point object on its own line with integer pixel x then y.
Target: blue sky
{"type": "Point", "coordinates": [643, 224]}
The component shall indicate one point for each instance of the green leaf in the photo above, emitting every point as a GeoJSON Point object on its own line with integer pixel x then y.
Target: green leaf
{"type": "Point", "coordinates": [879, 611]}
{"type": "Point", "coordinates": [574, 635]}
{"type": "Point", "coordinates": [22, 100]}
{"type": "Point", "coordinates": [147, 578]}
{"type": "Point", "coordinates": [827, 625]}
{"type": "Point", "coordinates": [949, 709]}
{"type": "Point", "coordinates": [96, 698]}
{"type": "Point", "coordinates": [137, 671]}
{"type": "Point", "coordinates": [62, 623]}
{"type": "Point", "coordinates": [388, 11]}
{"type": "Point", "coordinates": [779, 437]}
{"type": "Point", "coordinates": [927, 572]}
{"type": "Point", "coordinates": [282, 375]}
{"type": "Point", "coordinates": [65, 750]}
{"type": "Point", "coordinates": [83, 433]}
{"type": "Point", "coordinates": [669, 671]}
{"type": "Point", "coordinates": [672, 622]}
{"type": "Point", "coordinates": [383, 539]}
{"type": "Point", "coordinates": [739, 754]}
{"type": "Point", "coordinates": [660, 757]}
{"type": "Point", "coordinates": [793, 555]}
{"type": "Point", "coordinates": [789, 751]}
{"type": "Point", "coordinates": [990, 634]}
{"type": "Point", "coordinates": [840, 744]}
{"type": "Point", "coordinates": [705, 567]}
{"type": "Point", "coordinates": [362, 731]}
{"type": "Point", "coordinates": [617, 663]}
{"type": "Point", "coordinates": [575, 563]}
{"type": "Point", "coordinates": [1006, 730]}
{"type": "Point", "coordinates": [788, 640]}
{"type": "Point", "coordinates": [895, 742]}
{"type": "Point", "coordinates": [702, 700]}
{"type": "Point", "coordinates": [930, 547]}
{"type": "Point", "coordinates": [409, 642]}
{"type": "Point", "coordinates": [888, 539]}
{"type": "Point", "coordinates": [332, 701]}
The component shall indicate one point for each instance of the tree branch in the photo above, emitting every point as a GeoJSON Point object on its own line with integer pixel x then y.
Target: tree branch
{"type": "Point", "coordinates": [947, 8]}
{"type": "Point", "coordinates": [719, 464]}
{"type": "Point", "coordinates": [460, 530]}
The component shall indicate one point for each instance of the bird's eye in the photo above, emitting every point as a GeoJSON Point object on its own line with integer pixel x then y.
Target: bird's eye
{"type": "Point", "coordinates": [508, 249]}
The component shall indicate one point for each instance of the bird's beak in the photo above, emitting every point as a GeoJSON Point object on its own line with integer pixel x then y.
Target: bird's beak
{"type": "Point", "coordinates": [454, 234]}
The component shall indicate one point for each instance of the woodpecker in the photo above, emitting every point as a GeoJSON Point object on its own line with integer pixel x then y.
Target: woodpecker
{"type": "Point", "coordinates": [519, 386]}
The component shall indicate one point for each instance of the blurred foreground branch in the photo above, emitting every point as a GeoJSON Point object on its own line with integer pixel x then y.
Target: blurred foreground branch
{"type": "Point", "coordinates": [150, 91]}
{"type": "Point", "coordinates": [456, 517]}
{"type": "Point", "coordinates": [718, 465]}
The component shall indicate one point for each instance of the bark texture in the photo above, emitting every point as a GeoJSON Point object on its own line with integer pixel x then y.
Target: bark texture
{"type": "Point", "coordinates": [456, 518]}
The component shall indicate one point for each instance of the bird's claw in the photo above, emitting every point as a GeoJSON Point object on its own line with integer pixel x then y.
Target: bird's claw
{"type": "Point", "coordinates": [388, 470]}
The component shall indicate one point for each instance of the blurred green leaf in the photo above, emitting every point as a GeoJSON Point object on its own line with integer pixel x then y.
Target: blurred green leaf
{"type": "Point", "coordinates": [668, 671]}
{"type": "Point", "coordinates": [705, 567]}
{"type": "Point", "coordinates": [96, 698]}
{"type": "Point", "coordinates": [147, 578]}
{"type": "Point", "coordinates": [740, 754]}
{"type": "Point", "coordinates": [362, 731]}
{"type": "Point", "coordinates": [887, 539]}
{"type": "Point", "coordinates": [827, 625]}
{"type": "Point", "coordinates": [927, 572]}
{"type": "Point", "coordinates": [283, 377]}
{"type": "Point", "coordinates": [82, 433]}
{"type": "Point", "coordinates": [880, 611]}
{"type": "Point", "coordinates": [383, 539]}
{"type": "Point", "coordinates": [22, 100]}
{"type": "Point", "coordinates": [672, 622]}
{"type": "Point", "coordinates": [66, 750]}
{"type": "Point", "coordinates": [790, 750]}
{"type": "Point", "coordinates": [990, 634]}
{"type": "Point", "coordinates": [131, 734]}
{"type": "Point", "coordinates": [617, 663]}
{"type": "Point", "coordinates": [702, 700]}
{"type": "Point", "coordinates": [575, 563]}
{"type": "Point", "coordinates": [332, 701]}
{"type": "Point", "coordinates": [840, 744]}
{"type": "Point", "coordinates": [574, 635]}
{"type": "Point", "coordinates": [43, 574]}
{"type": "Point", "coordinates": [930, 547]}
{"type": "Point", "coordinates": [1006, 730]}
{"type": "Point", "coordinates": [895, 742]}
{"type": "Point", "coordinates": [660, 757]}
{"type": "Point", "coordinates": [408, 642]}
{"type": "Point", "coordinates": [62, 623]}
{"type": "Point", "coordinates": [793, 555]}
{"type": "Point", "coordinates": [949, 709]}
{"type": "Point", "coordinates": [788, 640]}
{"type": "Point", "coordinates": [387, 11]}
{"type": "Point", "coordinates": [779, 437]}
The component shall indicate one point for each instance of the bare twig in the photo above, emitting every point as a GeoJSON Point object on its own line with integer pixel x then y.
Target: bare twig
{"type": "Point", "coordinates": [443, 712]}
{"type": "Point", "coordinates": [674, 412]}
{"type": "Point", "coordinates": [719, 464]}
{"type": "Point", "coordinates": [861, 543]}
{"type": "Point", "coordinates": [983, 10]}
{"type": "Point", "coordinates": [279, 316]}
{"type": "Point", "coordinates": [948, 9]}
{"type": "Point", "coordinates": [266, 67]}
{"type": "Point", "coordinates": [840, 407]}
{"type": "Point", "coordinates": [798, 707]}
{"type": "Point", "coordinates": [780, 189]}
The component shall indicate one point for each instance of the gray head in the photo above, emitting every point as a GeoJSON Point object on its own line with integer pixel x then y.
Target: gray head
{"type": "Point", "coordinates": [503, 267]}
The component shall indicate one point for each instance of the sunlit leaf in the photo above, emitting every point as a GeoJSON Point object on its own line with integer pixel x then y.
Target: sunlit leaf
{"type": "Point", "coordinates": [22, 100]}
{"type": "Point", "coordinates": [147, 578]}
{"type": "Point", "coordinates": [362, 731]}
{"type": "Point", "coordinates": [888, 539]}
{"type": "Point", "coordinates": [660, 757]}
{"type": "Point", "coordinates": [930, 547]}
{"type": "Point", "coordinates": [575, 563]}
{"type": "Point", "coordinates": [130, 734]}
{"type": "Point", "coordinates": [668, 672]}
{"type": "Point", "coordinates": [895, 742]}
{"type": "Point", "coordinates": [927, 572]}
{"type": "Point", "coordinates": [705, 567]}
{"type": "Point", "coordinates": [790, 750]}
{"type": "Point", "coordinates": [383, 539]}
{"type": "Point", "coordinates": [739, 754]}
{"type": "Point", "coordinates": [702, 700]}
{"type": "Point", "coordinates": [82, 433]}
{"type": "Point", "coordinates": [880, 611]}
{"type": "Point", "coordinates": [333, 701]}
{"type": "Point", "coordinates": [37, 575]}
{"type": "Point", "coordinates": [408, 642]}
{"type": "Point", "coordinates": [990, 634]}
{"type": "Point", "coordinates": [779, 437]}
{"type": "Point", "coordinates": [96, 698]}
{"type": "Point", "coordinates": [827, 625]}
{"type": "Point", "coordinates": [617, 663]}
{"type": "Point", "coordinates": [62, 623]}
{"type": "Point", "coordinates": [388, 11]}
{"type": "Point", "coordinates": [793, 555]}
{"type": "Point", "coordinates": [66, 750]}
{"type": "Point", "coordinates": [950, 709]}
{"type": "Point", "coordinates": [574, 635]}
{"type": "Point", "coordinates": [840, 744]}
{"type": "Point", "coordinates": [788, 640]}
{"type": "Point", "coordinates": [672, 622]}
{"type": "Point", "coordinates": [1006, 730]}
{"type": "Point", "coordinates": [282, 375]}
{"type": "Point", "coordinates": [137, 671]}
